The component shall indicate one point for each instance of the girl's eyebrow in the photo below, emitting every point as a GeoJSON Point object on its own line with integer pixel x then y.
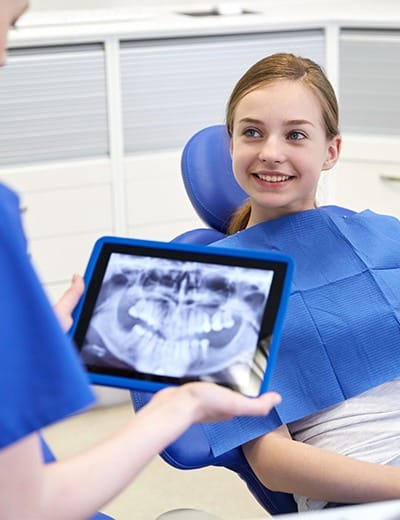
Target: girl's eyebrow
{"type": "Point", "coordinates": [299, 122]}
{"type": "Point", "coordinates": [290, 122]}
{"type": "Point", "coordinates": [250, 120]}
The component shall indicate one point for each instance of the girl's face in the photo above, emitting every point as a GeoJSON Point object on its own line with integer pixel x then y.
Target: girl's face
{"type": "Point", "coordinates": [279, 148]}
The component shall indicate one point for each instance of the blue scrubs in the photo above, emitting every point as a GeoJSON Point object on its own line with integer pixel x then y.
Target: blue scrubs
{"type": "Point", "coordinates": [342, 328]}
{"type": "Point", "coordinates": [41, 379]}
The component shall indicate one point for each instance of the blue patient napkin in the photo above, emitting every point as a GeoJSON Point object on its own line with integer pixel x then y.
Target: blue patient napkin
{"type": "Point", "coordinates": [342, 328]}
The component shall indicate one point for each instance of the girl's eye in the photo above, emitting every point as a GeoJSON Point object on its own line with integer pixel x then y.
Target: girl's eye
{"type": "Point", "coordinates": [251, 132]}
{"type": "Point", "coordinates": [296, 135]}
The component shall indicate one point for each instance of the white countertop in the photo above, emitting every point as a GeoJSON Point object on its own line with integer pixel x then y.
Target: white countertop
{"type": "Point", "coordinates": [126, 20]}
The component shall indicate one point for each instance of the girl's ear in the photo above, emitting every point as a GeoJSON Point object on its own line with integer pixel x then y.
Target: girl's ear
{"type": "Point", "coordinates": [333, 153]}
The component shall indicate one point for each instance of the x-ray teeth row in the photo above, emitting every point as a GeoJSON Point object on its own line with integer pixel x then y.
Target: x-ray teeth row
{"type": "Point", "coordinates": [178, 318]}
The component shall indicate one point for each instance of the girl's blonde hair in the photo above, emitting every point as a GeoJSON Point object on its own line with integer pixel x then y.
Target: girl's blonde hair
{"type": "Point", "coordinates": [282, 66]}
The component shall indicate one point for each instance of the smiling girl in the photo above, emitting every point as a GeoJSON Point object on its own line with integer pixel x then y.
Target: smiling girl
{"type": "Point", "coordinates": [339, 363]}
{"type": "Point", "coordinates": [283, 123]}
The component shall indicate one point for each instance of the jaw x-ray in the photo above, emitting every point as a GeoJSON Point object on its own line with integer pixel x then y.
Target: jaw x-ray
{"type": "Point", "coordinates": [178, 320]}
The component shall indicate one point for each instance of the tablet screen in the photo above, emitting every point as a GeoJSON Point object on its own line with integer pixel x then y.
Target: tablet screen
{"type": "Point", "coordinates": [169, 314]}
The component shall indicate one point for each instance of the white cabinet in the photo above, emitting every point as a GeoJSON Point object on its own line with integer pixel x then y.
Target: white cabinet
{"type": "Point", "coordinates": [369, 84]}
{"type": "Point", "coordinates": [156, 201]}
{"type": "Point", "coordinates": [368, 174]}
{"type": "Point", "coordinates": [369, 184]}
{"type": "Point", "coordinates": [53, 104]}
{"type": "Point", "coordinates": [66, 207]}
{"type": "Point", "coordinates": [53, 109]}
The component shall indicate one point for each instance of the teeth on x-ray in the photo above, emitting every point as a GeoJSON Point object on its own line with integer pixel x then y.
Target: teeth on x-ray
{"type": "Point", "coordinates": [198, 320]}
{"type": "Point", "coordinates": [178, 318]}
{"type": "Point", "coordinates": [99, 351]}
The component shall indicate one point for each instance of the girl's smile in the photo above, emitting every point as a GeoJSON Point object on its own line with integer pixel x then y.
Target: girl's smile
{"type": "Point", "coordinates": [276, 178]}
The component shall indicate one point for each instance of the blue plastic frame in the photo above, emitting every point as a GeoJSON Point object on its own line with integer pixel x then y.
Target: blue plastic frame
{"type": "Point", "coordinates": [204, 250]}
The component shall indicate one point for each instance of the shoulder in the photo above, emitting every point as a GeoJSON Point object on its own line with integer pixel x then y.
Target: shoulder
{"type": "Point", "coordinates": [338, 211]}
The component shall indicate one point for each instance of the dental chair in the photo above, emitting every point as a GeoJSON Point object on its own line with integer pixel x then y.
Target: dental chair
{"type": "Point", "coordinates": [207, 175]}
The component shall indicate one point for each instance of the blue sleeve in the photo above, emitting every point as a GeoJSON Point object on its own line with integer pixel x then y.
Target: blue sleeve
{"type": "Point", "coordinates": [41, 378]}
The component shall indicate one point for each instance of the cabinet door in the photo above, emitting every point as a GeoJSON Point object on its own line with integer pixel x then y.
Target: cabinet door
{"type": "Point", "coordinates": [53, 105]}
{"type": "Point", "coordinates": [369, 85]}
{"type": "Point", "coordinates": [369, 184]}
{"type": "Point", "coordinates": [158, 206]}
{"type": "Point", "coordinates": [173, 87]}
{"type": "Point", "coordinates": [66, 207]}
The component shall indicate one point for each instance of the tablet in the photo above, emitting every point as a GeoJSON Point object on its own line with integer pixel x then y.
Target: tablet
{"type": "Point", "coordinates": [163, 313]}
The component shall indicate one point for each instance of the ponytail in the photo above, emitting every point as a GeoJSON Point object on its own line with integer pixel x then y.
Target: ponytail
{"type": "Point", "coordinates": [240, 218]}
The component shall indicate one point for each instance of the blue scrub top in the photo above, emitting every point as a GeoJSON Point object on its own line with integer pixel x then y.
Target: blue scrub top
{"type": "Point", "coordinates": [41, 377]}
{"type": "Point", "coordinates": [341, 331]}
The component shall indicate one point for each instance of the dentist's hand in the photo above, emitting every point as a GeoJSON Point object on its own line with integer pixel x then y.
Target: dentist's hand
{"type": "Point", "coordinates": [68, 301]}
{"type": "Point", "coordinates": [209, 402]}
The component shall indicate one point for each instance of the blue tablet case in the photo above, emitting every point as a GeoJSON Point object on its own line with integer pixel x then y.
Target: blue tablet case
{"type": "Point", "coordinates": [147, 296]}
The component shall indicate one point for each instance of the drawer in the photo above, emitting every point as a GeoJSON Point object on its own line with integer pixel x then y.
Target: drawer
{"type": "Point", "coordinates": [369, 184]}
{"type": "Point", "coordinates": [57, 258]}
{"type": "Point", "coordinates": [63, 198]}
{"type": "Point", "coordinates": [69, 211]}
{"type": "Point", "coordinates": [155, 194]}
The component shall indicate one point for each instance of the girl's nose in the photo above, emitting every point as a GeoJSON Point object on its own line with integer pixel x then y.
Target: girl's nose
{"type": "Point", "coordinates": [271, 150]}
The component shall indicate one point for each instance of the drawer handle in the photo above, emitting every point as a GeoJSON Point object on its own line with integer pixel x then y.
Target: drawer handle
{"type": "Point", "coordinates": [390, 178]}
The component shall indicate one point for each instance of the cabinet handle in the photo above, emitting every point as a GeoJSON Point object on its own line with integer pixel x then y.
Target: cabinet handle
{"type": "Point", "coordinates": [390, 178]}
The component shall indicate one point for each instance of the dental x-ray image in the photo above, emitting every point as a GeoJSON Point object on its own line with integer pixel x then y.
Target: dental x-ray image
{"type": "Point", "coordinates": [180, 319]}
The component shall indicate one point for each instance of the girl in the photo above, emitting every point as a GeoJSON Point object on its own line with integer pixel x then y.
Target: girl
{"type": "Point", "coordinates": [340, 348]}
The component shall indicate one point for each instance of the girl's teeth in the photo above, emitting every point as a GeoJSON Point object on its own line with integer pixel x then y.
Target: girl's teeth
{"type": "Point", "coordinates": [273, 178]}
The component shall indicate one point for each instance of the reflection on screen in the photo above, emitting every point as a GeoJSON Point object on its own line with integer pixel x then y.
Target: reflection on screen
{"type": "Point", "coordinates": [178, 319]}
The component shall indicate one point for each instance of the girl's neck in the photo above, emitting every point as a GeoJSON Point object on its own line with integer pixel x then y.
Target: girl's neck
{"type": "Point", "coordinates": [274, 214]}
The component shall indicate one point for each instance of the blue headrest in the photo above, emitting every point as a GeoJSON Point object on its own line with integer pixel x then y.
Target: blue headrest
{"type": "Point", "coordinates": [207, 174]}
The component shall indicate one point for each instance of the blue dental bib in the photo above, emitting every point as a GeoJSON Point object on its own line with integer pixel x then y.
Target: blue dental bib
{"type": "Point", "coordinates": [342, 328]}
